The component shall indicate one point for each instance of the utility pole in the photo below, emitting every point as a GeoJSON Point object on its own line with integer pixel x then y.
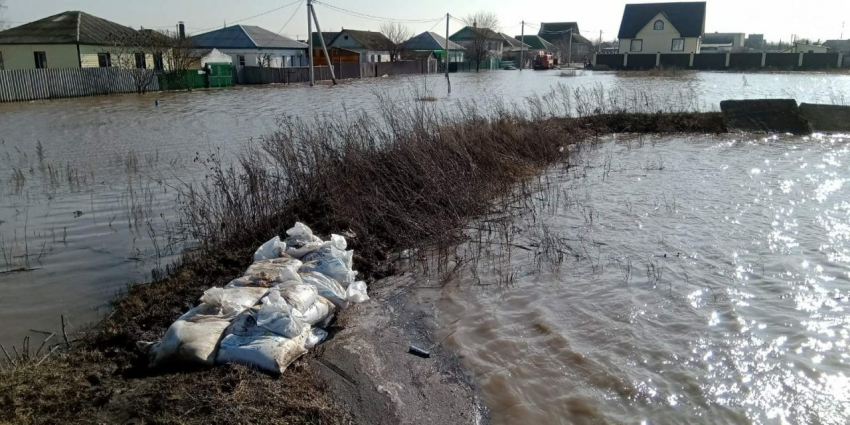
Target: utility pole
{"type": "Point", "coordinates": [448, 81]}
{"type": "Point", "coordinates": [310, 42]}
{"type": "Point", "coordinates": [322, 40]}
{"type": "Point", "coordinates": [522, 48]}
{"type": "Point", "coordinates": [570, 48]}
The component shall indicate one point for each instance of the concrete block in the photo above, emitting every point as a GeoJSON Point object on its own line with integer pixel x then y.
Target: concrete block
{"type": "Point", "coordinates": [827, 117]}
{"type": "Point", "coordinates": [765, 115]}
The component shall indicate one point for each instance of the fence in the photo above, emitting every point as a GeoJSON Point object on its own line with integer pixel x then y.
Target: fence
{"type": "Point", "coordinates": [723, 61]}
{"type": "Point", "coordinates": [21, 85]}
{"type": "Point", "coordinates": [250, 75]}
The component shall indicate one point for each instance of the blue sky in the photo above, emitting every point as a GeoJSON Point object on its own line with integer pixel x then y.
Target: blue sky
{"type": "Point", "coordinates": [816, 19]}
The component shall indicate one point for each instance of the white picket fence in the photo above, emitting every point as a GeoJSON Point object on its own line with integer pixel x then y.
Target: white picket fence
{"type": "Point", "coordinates": [23, 85]}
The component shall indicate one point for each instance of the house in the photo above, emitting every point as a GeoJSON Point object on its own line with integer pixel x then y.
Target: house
{"type": "Point", "coordinates": [838, 46]}
{"type": "Point", "coordinates": [75, 40]}
{"type": "Point", "coordinates": [250, 45]}
{"type": "Point", "coordinates": [536, 43]}
{"type": "Point", "coordinates": [512, 47]}
{"type": "Point", "coordinates": [570, 44]}
{"type": "Point", "coordinates": [662, 28]}
{"type": "Point", "coordinates": [483, 45]}
{"type": "Point", "coordinates": [432, 42]}
{"type": "Point", "coordinates": [372, 46]}
{"type": "Point", "coordinates": [754, 41]}
{"type": "Point", "coordinates": [338, 55]}
{"type": "Point", "coordinates": [608, 48]}
{"type": "Point", "coordinates": [205, 56]}
{"type": "Point", "coordinates": [806, 48]}
{"type": "Point", "coordinates": [722, 42]}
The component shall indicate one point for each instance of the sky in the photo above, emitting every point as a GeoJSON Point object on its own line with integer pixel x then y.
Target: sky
{"type": "Point", "coordinates": [778, 20]}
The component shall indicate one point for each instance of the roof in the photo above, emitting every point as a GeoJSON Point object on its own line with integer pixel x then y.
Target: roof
{"type": "Point", "coordinates": [687, 17]}
{"type": "Point", "coordinates": [430, 41]}
{"type": "Point", "coordinates": [328, 36]}
{"type": "Point", "coordinates": [555, 32]}
{"type": "Point", "coordinates": [370, 40]}
{"type": "Point", "coordinates": [536, 42]}
{"type": "Point", "coordinates": [513, 42]}
{"type": "Point", "coordinates": [468, 33]}
{"type": "Point", "coordinates": [718, 39]}
{"type": "Point", "coordinates": [245, 37]}
{"type": "Point", "coordinates": [71, 27]}
{"type": "Point", "coordinates": [838, 45]}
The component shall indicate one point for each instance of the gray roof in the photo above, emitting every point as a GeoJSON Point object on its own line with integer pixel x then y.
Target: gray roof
{"type": "Point", "coordinates": [327, 36]}
{"type": "Point", "coordinates": [513, 42]}
{"type": "Point", "coordinates": [430, 41]}
{"type": "Point", "coordinates": [68, 28]}
{"type": "Point", "coordinates": [369, 40]}
{"type": "Point", "coordinates": [688, 17]}
{"type": "Point", "coordinates": [718, 39]}
{"type": "Point", "coordinates": [245, 37]}
{"type": "Point", "coordinates": [469, 33]}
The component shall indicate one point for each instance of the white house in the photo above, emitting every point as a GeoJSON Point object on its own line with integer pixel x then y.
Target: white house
{"type": "Point", "coordinates": [372, 46]}
{"type": "Point", "coordinates": [249, 45]}
{"type": "Point", "coordinates": [806, 48]}
{"type": "Point", "coordinates": [662, 27]}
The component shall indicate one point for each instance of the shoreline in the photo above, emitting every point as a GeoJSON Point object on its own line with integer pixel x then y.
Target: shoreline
{"type": "Point", "coordinates": [102, 377]}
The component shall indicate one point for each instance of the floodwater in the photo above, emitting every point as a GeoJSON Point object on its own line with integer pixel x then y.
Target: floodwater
{"type": "Point", "coordinates": [666, 280]}
{"type": "Point", "coordinates": [88, 187]}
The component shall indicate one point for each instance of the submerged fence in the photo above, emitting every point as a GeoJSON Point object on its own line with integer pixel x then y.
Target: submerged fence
{"type": "Point", "coordinates": [23, 85]}
{"type": "Point", "coordinates": [251, 75]}
{"type": "Point", "coordinates": [723, 61]}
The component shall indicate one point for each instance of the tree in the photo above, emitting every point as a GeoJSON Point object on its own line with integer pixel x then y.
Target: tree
{"type": "Point", "coordinates": [397, 34]}
{"type": "Point", "coordinates": [148, 54]}
{"type": "Point", "coordinates": [483, 26]}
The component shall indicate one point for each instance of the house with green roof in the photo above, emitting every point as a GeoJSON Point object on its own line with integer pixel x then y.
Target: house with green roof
{"type": "Point", "coordinates": [433, 42]}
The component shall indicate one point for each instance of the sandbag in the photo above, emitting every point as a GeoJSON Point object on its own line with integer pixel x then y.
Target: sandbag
{"type": "Point", "coordinates": [301, 241]}
{"type": "Point", "coordinates": [258, 281]}
{"type": "Point", "coordinates": [331, 262]}
{"type": "Point", "coordinates": [276, 315]}
{"type": "Point", "coordinates": [318, 313]}
{"type": "Point", "coordinates": [274, 248]}
{"type": "Point", "coordinates": [192, 339]}
{"type": "Point", "coordinates": [356, 292]}
{"type": "Point", "coordinates": [314, 338]}
{"type": "Point", "coordinates": [247, 344]}
{"type": "Point", "coordinates": [233, 301]}
{"type": "Point", "coordinates": [299, 295]}
{"type": "Point", "coordinates": [278, 270]}
{"type": "Point", "coordinates": [327, 287]}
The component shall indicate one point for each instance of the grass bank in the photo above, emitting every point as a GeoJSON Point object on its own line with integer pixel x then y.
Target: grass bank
{"type": "Point", "coordinates": [409, 177]}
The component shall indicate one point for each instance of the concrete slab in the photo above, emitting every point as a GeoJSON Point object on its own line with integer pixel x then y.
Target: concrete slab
{"type": "Point", "coordinates": [827, 117]}
{"type": "Point", "coordinates": [765, 115]}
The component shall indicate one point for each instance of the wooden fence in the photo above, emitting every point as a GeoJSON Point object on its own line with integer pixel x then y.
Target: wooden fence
{"type": "Point", "coordinates": [23, 85]}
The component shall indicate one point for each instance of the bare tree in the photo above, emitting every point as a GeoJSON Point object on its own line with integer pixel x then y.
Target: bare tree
{"type": "Point", "coordinates": [398, 35]}
{"type": "Point", "coordinates": [148, 54]}
{"type": "Point", "coordinates": [484, 42]}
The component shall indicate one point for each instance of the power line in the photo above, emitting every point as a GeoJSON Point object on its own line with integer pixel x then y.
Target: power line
{"type": "Point", "coordinates": [376, 18]}
{"type": "Point", "coordinates": [256, 16]}
{"type": "Point", "coordinates": [284, 25]}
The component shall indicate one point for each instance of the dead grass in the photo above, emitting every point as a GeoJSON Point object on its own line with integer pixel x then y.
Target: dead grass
{"type": "Point", "coordinates": [409, 178]}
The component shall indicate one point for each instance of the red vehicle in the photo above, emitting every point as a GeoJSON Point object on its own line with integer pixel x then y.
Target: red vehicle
{"type": "Point", "coordinates": [544, 61]}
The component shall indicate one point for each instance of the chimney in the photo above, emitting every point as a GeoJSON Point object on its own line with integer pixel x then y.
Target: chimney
{"type": "Point", "coordinates": [181, 30]}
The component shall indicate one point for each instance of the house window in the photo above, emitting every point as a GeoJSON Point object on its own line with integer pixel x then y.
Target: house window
{"type": "Point", "coordinates": [158, 63]}
{"type": "Point", "coordinates": [241, 60]}
{"type": "Point", "coordinates": [636, 46]}
{"type": "Point", "coordinates": [678, 45]}
{"type": "Point", "coordinates": [104, 60]}
{"type": "Point", "coordinates": [346, 37]}
{"type": "Point", "coordinates": [141, 63]}
{"type": "Point", "coordinates": [40, 60]}
{"type": "Point", "coordinates": [659, 25]}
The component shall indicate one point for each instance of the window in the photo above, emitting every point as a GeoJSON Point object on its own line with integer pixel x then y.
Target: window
{"type": "Point", "coordinates": [678, 45]}
{"type": "Point", "coordinates": [659, 25]}
{"type": "Point", "coordinates": [158, 63]}
{"type": "Point", "coordinates": [40, 60]}
{"type": "Point", "coordinates": [241, 60]}
{"type": "Point", "coordinates": [141, 63]}
{"type": "Point", "coordinates": [104, 60]}
{"type": "Point", "coordinates": [636, 46]}
{"type": "Point", "coordinates": [346, 37]}
{"type": "Point", "coordinates": [2, 65]}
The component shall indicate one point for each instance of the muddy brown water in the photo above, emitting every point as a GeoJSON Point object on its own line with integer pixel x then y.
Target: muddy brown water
{"type": "Point", "coordinates": [90, 210]}
{"type": "Point", "coordinates": [689, 280]}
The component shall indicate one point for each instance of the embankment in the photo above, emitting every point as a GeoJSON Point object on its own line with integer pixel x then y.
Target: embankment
{"type": "Point", "coordinates": [408, 179]}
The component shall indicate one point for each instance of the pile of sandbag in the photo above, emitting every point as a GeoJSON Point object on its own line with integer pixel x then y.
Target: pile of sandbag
{"type": "Point", "coordinates": [272, 314]}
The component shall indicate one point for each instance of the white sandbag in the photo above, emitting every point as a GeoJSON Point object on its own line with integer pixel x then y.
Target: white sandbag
{"type": "Point", "coordinates": [276, 315]}
{"type": "Point", "coordinates": [315, 337]}
{"type": "Point", "coordinates": [300, 296]}
{"type": "Point", "coordinates": [233, 301]}
{"type": "Point", "coordinates": [319, 312]}
{"type": "Point", "coordinates": [257, 281]}
{"type": "Point", "coordinates": [274, 248]}
{"type": "Point", "coordinates": [327, 287]}
{"type": "Point", "coordinates": [247, 344]}
{"type": "Point", "coordinates": [332, 268]}
{"type": "Point", "coordinates": [338, 241]}
{"type": "Point", "coordinates": [192, 339]}
{"type": "Point", "coordinates": [301, 241]}
{"type": "Point", "coordinates": [277, 269]}
{"type": "Point", "coordinates": [356, 292]}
